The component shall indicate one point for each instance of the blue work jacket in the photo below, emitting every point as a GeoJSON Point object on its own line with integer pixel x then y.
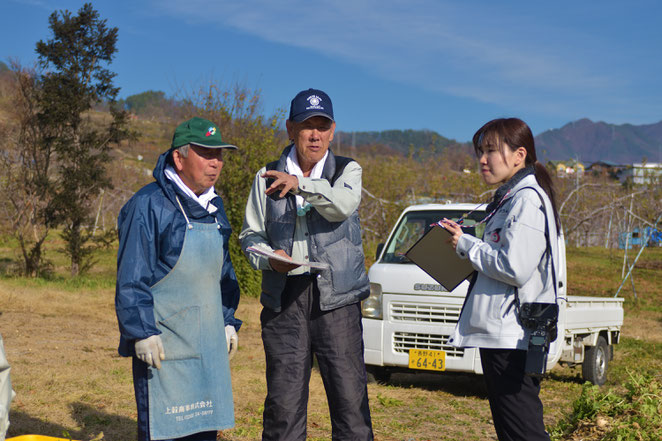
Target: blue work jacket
{"type": "Point", "coordinates": [151, 235]}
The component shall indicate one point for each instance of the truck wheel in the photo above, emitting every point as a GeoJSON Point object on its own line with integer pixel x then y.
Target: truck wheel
{"type": "Point", "coordinates": [378, 374]}
{"type": "Point", "coordinates": [596, 361]}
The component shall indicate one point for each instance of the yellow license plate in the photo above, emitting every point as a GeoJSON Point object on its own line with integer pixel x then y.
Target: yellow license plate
{"type": "Point", "coordinates": [427, 359]}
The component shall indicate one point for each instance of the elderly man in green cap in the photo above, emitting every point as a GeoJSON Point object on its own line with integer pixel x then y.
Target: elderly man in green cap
{"type": "Point", "coordinates": [177, 291]}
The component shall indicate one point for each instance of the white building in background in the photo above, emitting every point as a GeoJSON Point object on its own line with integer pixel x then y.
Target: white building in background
{"type": "Point", "coordinates": [643, 173]}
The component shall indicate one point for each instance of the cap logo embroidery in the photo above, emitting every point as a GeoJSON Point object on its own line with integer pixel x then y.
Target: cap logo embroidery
{"type": "Point", "coordinates": [211, 131]}
{"type": "Point", "coordinates": [314, 101]}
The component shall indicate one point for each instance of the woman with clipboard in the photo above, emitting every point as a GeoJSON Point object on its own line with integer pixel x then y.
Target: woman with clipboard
{"type": "Point", "coordinates": [515, 268]}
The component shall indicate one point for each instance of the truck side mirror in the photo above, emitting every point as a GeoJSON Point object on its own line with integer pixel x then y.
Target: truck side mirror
{"type": "Point", "coordinates": [380, 247]}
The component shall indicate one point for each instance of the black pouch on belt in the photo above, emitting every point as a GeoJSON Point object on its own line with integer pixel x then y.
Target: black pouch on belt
{"type": "Point", "coordinates": [540, 319]}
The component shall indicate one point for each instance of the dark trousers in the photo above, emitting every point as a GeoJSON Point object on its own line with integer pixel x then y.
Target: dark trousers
{"type": "Point", "coordinates": [290, 338]}
{"type": "Point", "coordinates": [514, 401]}
{"type": "Point", "coordinates": [140, 373]}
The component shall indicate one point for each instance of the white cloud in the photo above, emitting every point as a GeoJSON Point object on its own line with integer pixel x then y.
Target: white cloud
{"type": "Point", "coordinates": [479, 52]}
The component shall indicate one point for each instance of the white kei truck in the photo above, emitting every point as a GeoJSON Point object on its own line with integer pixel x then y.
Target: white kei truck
{"type": "Point", "coordinates": [409, 317]}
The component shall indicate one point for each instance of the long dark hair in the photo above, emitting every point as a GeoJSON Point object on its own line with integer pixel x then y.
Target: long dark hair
{"type": "Point", "coordinates": [516, 133]}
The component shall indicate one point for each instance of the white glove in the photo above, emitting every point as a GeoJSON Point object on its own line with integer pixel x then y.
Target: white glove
{"type": "Point", "coordinates": [150, 350]}
{"type": "Point", "coordinates": [232, 339]}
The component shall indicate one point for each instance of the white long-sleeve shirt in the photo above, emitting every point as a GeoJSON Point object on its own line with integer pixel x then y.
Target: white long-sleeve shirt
{"type": "Point", "coordinates": [335, 203]}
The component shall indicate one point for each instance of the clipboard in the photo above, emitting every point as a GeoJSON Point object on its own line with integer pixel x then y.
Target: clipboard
{"type": "Point", "coordinates": [434, 255]}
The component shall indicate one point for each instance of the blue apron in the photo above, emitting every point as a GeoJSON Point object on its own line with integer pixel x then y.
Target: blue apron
{"type": "Point", "coordinates": [192, 391]}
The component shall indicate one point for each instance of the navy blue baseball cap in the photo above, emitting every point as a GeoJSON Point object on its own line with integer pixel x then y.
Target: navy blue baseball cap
{"type": "Point", "coordinates": [309, 103]}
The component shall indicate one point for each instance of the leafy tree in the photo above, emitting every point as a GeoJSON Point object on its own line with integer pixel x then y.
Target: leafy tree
{"type": "Point", "coordinates": [76, 78]}
{"type": "Point", "coordinates": [139, 103]}
{"type": "Point", "coordinates": [238, 114]}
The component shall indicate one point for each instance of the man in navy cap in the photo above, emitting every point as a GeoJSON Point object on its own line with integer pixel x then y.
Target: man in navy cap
{"type": "Point", "coordinates": [177, 291]}
{"type": "Point", "coordinates": [304, 208]}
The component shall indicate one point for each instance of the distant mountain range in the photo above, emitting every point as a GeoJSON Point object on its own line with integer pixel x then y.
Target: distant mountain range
{"type": "Point", "coordinates": [598, 141]}
{"type": "Point", "coordinates": [399, 141]}
{"type": "Point", "coordinates": [584, 139]}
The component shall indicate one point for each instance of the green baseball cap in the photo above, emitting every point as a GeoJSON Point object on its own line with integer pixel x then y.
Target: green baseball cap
{"type": "Point", "coordinates": [199, 131]}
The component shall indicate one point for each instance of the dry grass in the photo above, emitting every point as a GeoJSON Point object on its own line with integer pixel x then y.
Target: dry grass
{"type": "Point", "coordinates": [61, 343]}
{"type": "Point", "coordinates": [68, 377]}
{"type": "Point", "coordinates": [65, 368]}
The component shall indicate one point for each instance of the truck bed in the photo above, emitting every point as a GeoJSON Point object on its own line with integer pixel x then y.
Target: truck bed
{"type": "Point", "coordinates": [583, 314]}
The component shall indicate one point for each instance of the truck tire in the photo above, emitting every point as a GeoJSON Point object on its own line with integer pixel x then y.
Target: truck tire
{"type": "Point", "coordinates": [596, 362]}
{"type": "Point", "coordinates": [378, 374]}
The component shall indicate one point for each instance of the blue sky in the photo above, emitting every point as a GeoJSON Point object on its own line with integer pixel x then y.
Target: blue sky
{"type": "Point", "coordinates": [447, 66]}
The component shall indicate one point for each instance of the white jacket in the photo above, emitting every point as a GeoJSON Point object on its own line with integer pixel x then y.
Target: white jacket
{"type": "Point", "coordinates": [511, 254]}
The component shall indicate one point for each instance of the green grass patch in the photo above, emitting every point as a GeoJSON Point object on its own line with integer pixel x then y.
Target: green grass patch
{"type": "Point", "coordinates": [388, 401]}
{"type": "Point", "coordinates": [599, 272]}
{"type": "Point", "coordinates": [101, 275]}
{"type": "Point", "coordinates": [66, 284]}
{"type": "Point", "coordinates": [648, 356]}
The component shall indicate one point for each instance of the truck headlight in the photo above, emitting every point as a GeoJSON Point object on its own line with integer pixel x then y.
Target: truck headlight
{"type": "Point", "coordinates": [372, 306]}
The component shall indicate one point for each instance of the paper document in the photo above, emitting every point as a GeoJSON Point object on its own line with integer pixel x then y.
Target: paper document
{"type": "Point", "coordinates": [436, 256]}
{"type": "Point", "coordinates": [272, 255]}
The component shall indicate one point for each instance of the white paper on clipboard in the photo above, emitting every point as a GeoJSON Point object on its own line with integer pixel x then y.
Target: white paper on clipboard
{"type": "Point", "coordinates": [436, 256]}
{"type": "Point", "coordinates": [272, 255]}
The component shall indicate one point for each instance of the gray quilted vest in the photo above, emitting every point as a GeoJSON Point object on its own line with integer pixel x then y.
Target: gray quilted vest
{"type": "Point", "coordinates": [336, 243]}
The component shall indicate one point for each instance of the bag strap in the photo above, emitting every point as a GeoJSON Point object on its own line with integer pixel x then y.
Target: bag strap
{"type": "Point", "coordinates": [548, 248]}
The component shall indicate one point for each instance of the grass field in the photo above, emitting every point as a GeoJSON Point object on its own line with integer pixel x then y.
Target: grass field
{"type": "Point", "coordinates": [61, 336]}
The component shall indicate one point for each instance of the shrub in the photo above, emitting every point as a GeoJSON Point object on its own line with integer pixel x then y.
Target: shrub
{"type": "Point", "coordinates": [635, 414]}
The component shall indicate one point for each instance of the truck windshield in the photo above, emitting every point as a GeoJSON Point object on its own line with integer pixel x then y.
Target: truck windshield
{"type": "Point", "coordinates": [416, 223]}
